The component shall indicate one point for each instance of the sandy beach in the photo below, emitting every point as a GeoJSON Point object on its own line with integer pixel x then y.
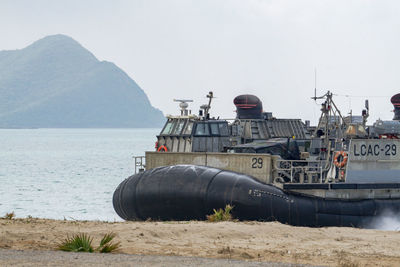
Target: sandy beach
{"type": "Point", "coordinates": [250, 241]}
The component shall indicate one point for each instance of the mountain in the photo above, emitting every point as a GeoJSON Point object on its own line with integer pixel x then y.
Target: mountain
{"type": "Point", "coordinates": [57, 83]}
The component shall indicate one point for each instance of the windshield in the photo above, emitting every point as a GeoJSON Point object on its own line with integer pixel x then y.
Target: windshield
{"type": "Point", "coordinates": [202, 129]}
{"type": "Point", "coordinates": [167, 128]}
{"type": "Point", "coordinates": [189, 128]}
{"type": "Point", "coordinates": [214, 129]}
{"type": "Point", "coordinates": [179, 127]}
{"type": "Point", "coordinates": [223, 129]}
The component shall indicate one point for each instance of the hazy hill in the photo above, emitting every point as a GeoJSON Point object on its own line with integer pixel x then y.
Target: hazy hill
{"type": "Point", "coordinates": [55, 82]}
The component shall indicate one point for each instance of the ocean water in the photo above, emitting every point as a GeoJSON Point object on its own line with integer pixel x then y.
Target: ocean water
{"type": "Point", "coordinates": [67, 173]}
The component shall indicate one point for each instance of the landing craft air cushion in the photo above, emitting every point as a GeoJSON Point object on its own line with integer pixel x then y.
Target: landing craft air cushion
{"type": "Point", "coordinates": [338, 173]}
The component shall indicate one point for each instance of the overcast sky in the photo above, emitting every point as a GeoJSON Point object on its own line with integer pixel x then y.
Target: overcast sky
{"type": "Point", "coordinates": [183, 49]}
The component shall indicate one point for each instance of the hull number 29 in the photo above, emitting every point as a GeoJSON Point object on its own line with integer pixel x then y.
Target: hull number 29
{"type": "Point", "coordinates": [257, 163]}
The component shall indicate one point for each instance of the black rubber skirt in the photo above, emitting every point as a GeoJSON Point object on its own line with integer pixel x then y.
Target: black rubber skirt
{"type": "Point", "coordinates": [189, 192]}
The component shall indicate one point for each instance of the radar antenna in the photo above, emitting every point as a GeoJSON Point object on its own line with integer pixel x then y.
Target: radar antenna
{"type": "Point", "coordinates": [184, 105]}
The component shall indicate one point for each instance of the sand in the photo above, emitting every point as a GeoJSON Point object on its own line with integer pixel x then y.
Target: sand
{"type": "Point", "coordinates": [250, 241]}
{"type": "Point", "coordinates": [10, 257]}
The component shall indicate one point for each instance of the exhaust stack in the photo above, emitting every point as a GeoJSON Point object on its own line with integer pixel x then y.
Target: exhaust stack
{"type": "Point", "coordinates": [248, 107]}
{"type": "Point", "coordinates": [396, 103]}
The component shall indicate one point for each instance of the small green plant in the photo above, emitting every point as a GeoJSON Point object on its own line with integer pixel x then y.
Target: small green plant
{"type": "Point", "coordinates": [78, 243]}
{"type": "Point", "coordinates": [10, 216]}
{"type": "Point", "coordinates": [221, 214]}
{"type": "Point", "coordinates": [106, 246]}
{"type": "Point", "coordinates": [83, 243]}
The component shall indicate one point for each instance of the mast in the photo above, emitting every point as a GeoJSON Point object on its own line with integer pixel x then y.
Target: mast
{"type": "Point", "coordinates": [325, 123]}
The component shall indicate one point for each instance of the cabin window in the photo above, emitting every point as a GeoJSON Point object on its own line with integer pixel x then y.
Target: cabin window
{"type": "Point", "coordinates": [223, 129]}
{"type": "Point", "coordinates": [202, 129]}
{"type": "Point", "coordinates": [188, 129]}
{"type": "Point", "coordinates": [214, 129]}
{"type": "Point", "coordinates": [179, 127]}
{"type": "Point", "coordinates": [168, 128]}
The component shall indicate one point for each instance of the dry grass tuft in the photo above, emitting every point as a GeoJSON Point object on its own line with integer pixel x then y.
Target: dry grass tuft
{"type": "Point", "coordinates": [221, 214]}
{"type": "Point", "coordinates": [9, 216]}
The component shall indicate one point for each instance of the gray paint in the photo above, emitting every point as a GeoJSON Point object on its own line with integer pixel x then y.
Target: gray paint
{"type": "Point", "coordinates": [374, 161]}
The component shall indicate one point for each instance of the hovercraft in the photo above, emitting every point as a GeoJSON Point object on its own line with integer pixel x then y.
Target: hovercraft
{"type": "Point", "coordinates": [338, 173]}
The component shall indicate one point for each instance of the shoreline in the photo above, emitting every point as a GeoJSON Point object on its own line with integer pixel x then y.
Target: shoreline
{"type": "Point", "coordinates": [250, 241]}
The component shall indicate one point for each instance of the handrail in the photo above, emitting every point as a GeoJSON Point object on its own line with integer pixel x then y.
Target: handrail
{"type": "Point", "coordinates": [140, 163]}
{"type": "Point", "coordinates": [292, 168]}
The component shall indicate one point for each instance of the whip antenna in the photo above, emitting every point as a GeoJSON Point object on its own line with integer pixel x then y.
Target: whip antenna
{"type": "Point", "coordinates": [315, 85]}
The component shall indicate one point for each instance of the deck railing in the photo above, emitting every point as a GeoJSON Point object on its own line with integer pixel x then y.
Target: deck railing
{"type": "Point", "coordinates": [140, 163]}
{"type": "Point", "coordinates": [300, 171]}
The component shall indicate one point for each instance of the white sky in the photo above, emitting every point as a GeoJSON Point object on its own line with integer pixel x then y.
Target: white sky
{"type": "Point", "coordinates": [183, 48]}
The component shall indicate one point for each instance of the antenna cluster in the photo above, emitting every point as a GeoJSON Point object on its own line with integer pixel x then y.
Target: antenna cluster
{"type": "Point", "coordinates": [184, 105]}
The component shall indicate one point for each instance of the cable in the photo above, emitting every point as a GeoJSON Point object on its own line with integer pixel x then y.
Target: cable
{"type": "Point", "coordinates": [369, 96]}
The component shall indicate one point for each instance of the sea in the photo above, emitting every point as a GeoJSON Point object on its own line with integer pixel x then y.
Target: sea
{"type": "Point", "coordinates": [67, 174]}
